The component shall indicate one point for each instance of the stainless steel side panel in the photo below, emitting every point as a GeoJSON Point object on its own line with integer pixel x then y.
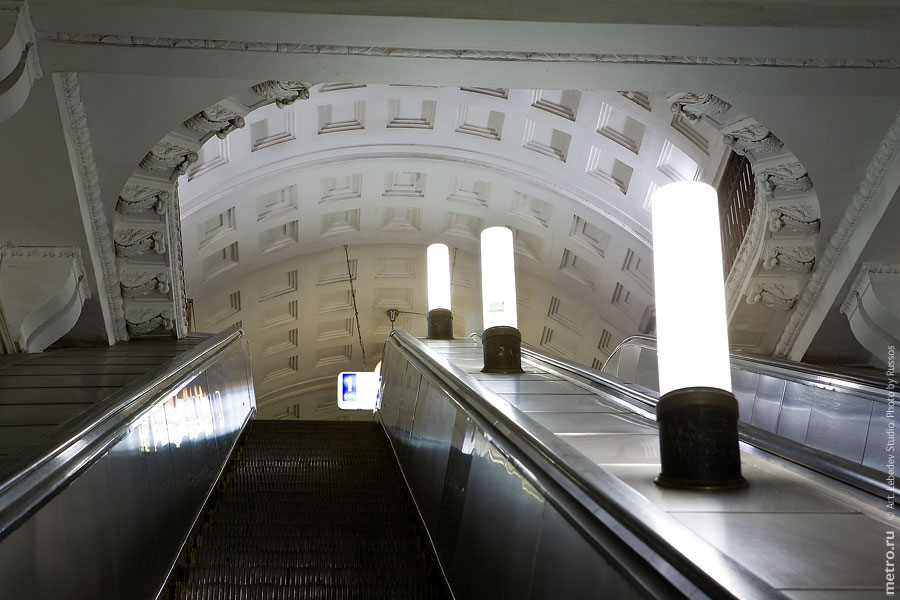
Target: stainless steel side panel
{"type": "Point", "coordinates": [429, 450]}
{"type": "Point", "coordinates": [495, 532]}
{"type": "Point", "coordinates": [499, 530]}
{"type": "Point", "coordinates": [767, 406]}
{"type": "Point", "coordinates": [567, 566]}
{"type": "Point", "coordinates": [794, 421]}
{"type": "Point", "coordinates": [839, 424]}
{"type": "Point", "coordinates": [114, 531]}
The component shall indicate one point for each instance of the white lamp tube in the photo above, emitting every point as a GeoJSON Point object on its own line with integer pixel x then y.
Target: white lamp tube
{"type": "Point", "coordinates": [438, 260]}
{"type": "Point", "coordinates": [498, 278]}
{"type": "Point", "coordinates": [692, 334]}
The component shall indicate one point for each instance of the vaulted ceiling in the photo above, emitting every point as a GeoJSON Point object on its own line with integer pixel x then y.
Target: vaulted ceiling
{"type": "Point", "coordinates": [385, 170]}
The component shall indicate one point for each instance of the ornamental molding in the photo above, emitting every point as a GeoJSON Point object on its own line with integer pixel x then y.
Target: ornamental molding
{"type": "Point", "coordinates": [135, 241]}
{"type": "Point", "coordinates": [141, 282]}
{"type": "Point", "coordinates": [793, 258]}
{"type": "Point", "coordinates": [145, 318]}
{"type": "Point", "coordinates": [772, 295]}
{"type": "Point", "coordinates": [801, 218]}
{"type": "Point", "coordinates": [282, 93]}
{"type": "Point", "coordinates": [787, 177]}
{"type": "Point", "coordinates": [694, 106]}
{"type": "Point", "coordinates": [87, 182]}
{"type": "Point", "coordinates": [138, 197]}
{"type": "Point", "coordinates": [875, 174]}
{"type": "Point", "coordinates": [220, 119]}
{"type": "Point", "coordinates": [750, 136]}
{"type": "Point", "coordinates": [148, 218]}
{"type": "Point", "coordinates": [781, 237]}
{"type": "Point", "coordinates": [168, 155]}
{"type": "Point", "coordinates": [861, 282]}
{"type": "Point", "coordinates": [467, 54]}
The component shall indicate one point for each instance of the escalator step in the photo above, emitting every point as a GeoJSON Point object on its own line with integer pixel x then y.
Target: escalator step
{"type": "Point", "coordinates": [310, 510]}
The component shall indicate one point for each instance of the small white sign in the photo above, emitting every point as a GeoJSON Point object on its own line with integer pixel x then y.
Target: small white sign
{"type": "Point", "coordinates": [358, 391]}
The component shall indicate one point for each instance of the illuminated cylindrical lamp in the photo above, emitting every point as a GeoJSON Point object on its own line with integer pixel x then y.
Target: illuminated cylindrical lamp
{"type": "Point", "coordinates": [501, 341]}
{"type": "Point", "coordinates": [697, 414]}
{"type": "Point", "coordinates": [440, 319]}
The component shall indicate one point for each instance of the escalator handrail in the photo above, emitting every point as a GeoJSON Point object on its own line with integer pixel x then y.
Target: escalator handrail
{"type": "Point", "coordinates": [639, 517]}
{"type": "Point", "coordinates": [846, 471]}
{"type": "Point", "coordinates": [785, 369]}
{"type": "Point", "coordinates": [33, 479]}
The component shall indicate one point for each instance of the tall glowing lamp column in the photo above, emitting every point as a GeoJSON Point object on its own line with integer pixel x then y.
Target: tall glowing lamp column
{"type": "Point", "coordinates": [502, 341]}
{"type": "Point", "coordinates": [697, 413]}
{"type": "Point", "coordinates": [440, 319]}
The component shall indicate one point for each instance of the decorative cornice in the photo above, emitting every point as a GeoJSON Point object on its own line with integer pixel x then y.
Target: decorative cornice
{"type": "Point", "coordinates": [84, 170]}
{"type": "Point", "coordinates": [877, 169]}
{"type": "Point", "coordinates": [861, 281]}
{"type": "Point", "coordinates": [469, 54]}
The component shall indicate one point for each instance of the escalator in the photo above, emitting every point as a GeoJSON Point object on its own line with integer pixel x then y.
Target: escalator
{"type": "Point", "coordinates": [310, 510]}
{"type": "Point", "coordinates": [534, 485]}
{"type": "Point", "coordinates": [841, 413]}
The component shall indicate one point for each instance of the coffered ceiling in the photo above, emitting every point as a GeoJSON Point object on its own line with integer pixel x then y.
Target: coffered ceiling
{"type": "Point", "coordinates": [385, 170]}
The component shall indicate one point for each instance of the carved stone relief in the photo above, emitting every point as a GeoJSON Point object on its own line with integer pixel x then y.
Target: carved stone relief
{"type": "Point", "coordinates": [144, 319]}
{"type": "Point", "coordinates": [136, 198]}
{"type": "Point", "coordinates": [135, 241]}
{"type": "Point", "coordinates": [795, 259]}
{"type": "Point", "coordinates": [776, 296]}
{"type": "Point", "coordinates": [216, 119]}
{"type": "Point", "coordinates": [797, 219]}
{"type": "Point", "coordinates": [695, 106]}
{"type": "Point", "coordinates": [141, 282]}
{"type": "Point", "coordinates": [282, 93]}
{"type": "Point", "coordinates": [166, 155]}
{"type": "Point", "coordinates": [787, 177]}
{"type": "Point", "coordinates": [151, 192]}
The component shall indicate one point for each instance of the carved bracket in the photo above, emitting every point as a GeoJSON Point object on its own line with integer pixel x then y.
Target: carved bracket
{"type": "Point", "coordinates": [775, 296]}
{"type": "Point", "coordinates": [135, 199]}
{"type": "Point", "coordinates": [141, 282]}
{"type": "Point", "coordinates": [749, 135]}
{"type": "Point", "coordinates": [216, 119]}
{"type": "Point", "coordinates": [135, 241]}
{"type": "Point", "coordinates": [282, 92]}
{"type": "Point", "coordinates": [797, 219]}
{"type": "Point", "coordinates": [788, 177]}
{"type": "Point", "coordinates": [166, 155]}
{"type": "Point", "coordinates": [142, 320]}
{"type": "Point", "coordinates": [795, 259]}
{"type": "Point", "coordinates": [694, 106]}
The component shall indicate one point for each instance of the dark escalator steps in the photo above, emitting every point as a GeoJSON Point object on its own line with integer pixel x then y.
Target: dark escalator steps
{"type": "Point", "coordinates": [310, 510]}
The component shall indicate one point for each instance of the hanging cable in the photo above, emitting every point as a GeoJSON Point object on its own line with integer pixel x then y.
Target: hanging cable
{"type": "Point", "coordinates": [355, 311]}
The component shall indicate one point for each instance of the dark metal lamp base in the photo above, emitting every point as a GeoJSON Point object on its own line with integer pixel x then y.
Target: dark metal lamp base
{"type": "Point", "coordinates": [502, 347]}
{"type": "Point", "coordinates": [440, 324]}
{"type": "Point", "coordinates": [698, 440]}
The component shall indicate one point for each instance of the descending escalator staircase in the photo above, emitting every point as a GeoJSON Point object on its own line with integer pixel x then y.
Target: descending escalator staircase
{"type": "Point", "coordinates": [310, 510]}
